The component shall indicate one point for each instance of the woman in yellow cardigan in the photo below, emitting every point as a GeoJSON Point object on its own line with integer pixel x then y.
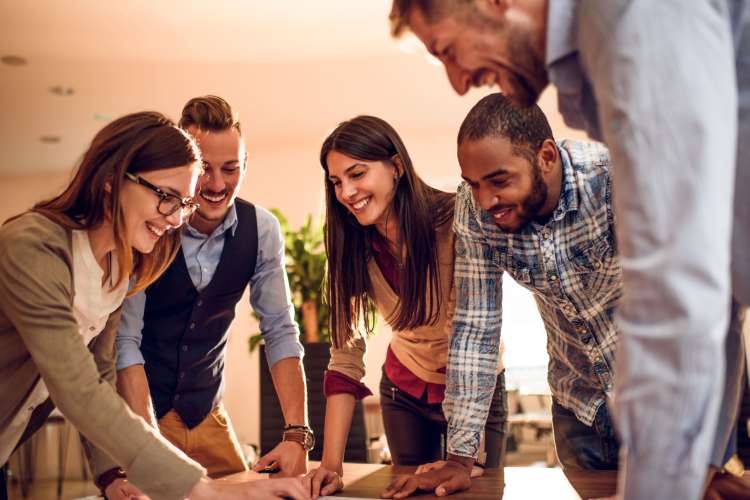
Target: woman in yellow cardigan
{"type": "Point", "coordinates": [65, 268]}
{"type": "Point", "coordinates": [389, 241]}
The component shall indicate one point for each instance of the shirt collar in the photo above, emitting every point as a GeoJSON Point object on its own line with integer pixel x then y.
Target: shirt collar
{"type": "Point", "coordinates": [561, 28]}
{"type": "Point", "coordinates": [230, 222]}
{"type": "Point", "coordinates": [569, 192]}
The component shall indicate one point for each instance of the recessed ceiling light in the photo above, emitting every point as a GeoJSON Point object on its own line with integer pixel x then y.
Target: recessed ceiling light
{"type": "Point", "coordinates": [50, 139]}
{"type": "Point", "coordinates": [62, 91]}
{"type": "Point", "coordinates": [11, 60]}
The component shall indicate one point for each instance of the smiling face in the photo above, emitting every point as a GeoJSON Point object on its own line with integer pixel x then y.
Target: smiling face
{"type": "Point", "coordinates": [487, 45]}
{"type": "Point", "coordinates": [513, 189]}
{"type": "Point", "coordinates": [365, 188]}
{"type": "Point", "coordinates": [143, 222]}
{"type": "Point", "coordinates": [223, 155]}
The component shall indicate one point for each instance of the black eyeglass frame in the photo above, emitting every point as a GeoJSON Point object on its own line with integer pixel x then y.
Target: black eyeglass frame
{"type": "Point", "coordinates": [187, 205]}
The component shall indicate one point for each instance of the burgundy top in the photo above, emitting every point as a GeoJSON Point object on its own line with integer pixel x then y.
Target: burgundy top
{"type": "Point", "coordinates": [337, 383]}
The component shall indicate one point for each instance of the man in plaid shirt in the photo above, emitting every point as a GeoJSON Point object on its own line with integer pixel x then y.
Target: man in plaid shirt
{"type": "Point", "coordinates": [542, 213]}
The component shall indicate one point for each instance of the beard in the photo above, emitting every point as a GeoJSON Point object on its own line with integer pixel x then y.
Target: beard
{"type": "Point", "coordinates": [533, 203]}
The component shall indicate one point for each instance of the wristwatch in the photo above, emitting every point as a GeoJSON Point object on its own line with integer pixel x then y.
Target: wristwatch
{"type": "Point", "coordinates": [301, 434]}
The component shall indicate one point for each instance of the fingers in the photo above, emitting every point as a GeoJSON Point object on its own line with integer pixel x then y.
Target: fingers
{"type": "Point", "coordinates": [430, 466]}
{"type": "Point", "coordinates": [452, 485]}
{"type": "Point", "coordinates": [316, 478]}
{"type": "Point", "coordinates": [265, 461]}
{"type": "Point", "coordinates": [291, 488]}
{"type": "Point", "coordinates": [333, 483]}
{"type": "Point", "coordinates": [401, 487]}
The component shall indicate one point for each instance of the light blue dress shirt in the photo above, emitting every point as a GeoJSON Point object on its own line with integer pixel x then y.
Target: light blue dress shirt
{"type": "Point", "coordinates": [655, 80]}
{"type": "Point", "coordinates": [270, 297]}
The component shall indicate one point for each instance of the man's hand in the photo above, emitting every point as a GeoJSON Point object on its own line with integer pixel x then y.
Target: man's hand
{"type": "Point", "coordinates": [122, 489]}
{"type": "Point", "coordinates": [291, 458]}
{"type": "Point", "coordinates": [323, 481]}
{"type": "Point", "coordinates": [476, 471]}
{"type": "Point", "coordinates": [453, 476]}
{"type": "Point", "coordinates": [264, 489]}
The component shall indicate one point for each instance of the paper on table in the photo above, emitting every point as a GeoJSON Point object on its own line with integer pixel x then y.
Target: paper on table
{"type": "Point", "coordinates": [343, 498]}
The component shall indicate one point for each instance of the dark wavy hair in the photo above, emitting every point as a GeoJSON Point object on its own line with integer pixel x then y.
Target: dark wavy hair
{"type": "Point", "coordinates": [419, 208]}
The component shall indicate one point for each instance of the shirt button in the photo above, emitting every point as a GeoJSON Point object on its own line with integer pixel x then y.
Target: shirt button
{"type": "Point", "coordinates": [184, 348]}
{"type": "Point", "coordinates": [200, 302]}
{"type": "Point", "coordinates": [545, 234]}
{"type": "Point", "coordinates": [182, 375]}
{"type": "Point", "coordinates": [192, 325]}
{"type": "Point", "coordinates": [177, 397]}
{"type": "Point", "coordinates": [553, 278]}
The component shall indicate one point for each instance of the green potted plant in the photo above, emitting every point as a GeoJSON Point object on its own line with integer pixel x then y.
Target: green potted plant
{"type": "Point", "coordinates": [306, 270]}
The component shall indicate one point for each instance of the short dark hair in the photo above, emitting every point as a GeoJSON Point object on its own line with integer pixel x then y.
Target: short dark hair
{"type": "Point", "coordinates": [496, 115]}
{"type": "Point", "coordinates": [210, 113]}
{"type": "Point", "coordinates": [432, 10]}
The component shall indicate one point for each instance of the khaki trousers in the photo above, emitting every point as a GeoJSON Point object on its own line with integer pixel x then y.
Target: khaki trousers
{"type": "Point", "coordinates": [212, 443]}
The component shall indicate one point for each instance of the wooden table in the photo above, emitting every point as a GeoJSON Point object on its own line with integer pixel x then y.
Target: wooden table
{"type": "Point", "coordinates": [520, 483]}
{"type": "Point", "coordinates": [515, 483]}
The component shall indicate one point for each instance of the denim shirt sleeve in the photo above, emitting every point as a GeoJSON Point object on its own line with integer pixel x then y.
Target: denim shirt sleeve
{"type": "Point", "coordinates": [270, 296]}
{"type": "Point", "coordinates": [472, 359]}
{"type": "Point", "coordinates": [130, 332]}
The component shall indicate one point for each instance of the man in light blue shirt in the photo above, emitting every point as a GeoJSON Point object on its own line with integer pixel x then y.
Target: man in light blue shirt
{"type": "Point", "coordinates": [172, 339]}
{"type": "Point", "coordinates": [658, 81]}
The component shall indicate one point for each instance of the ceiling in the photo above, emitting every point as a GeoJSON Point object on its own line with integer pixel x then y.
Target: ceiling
{"type": "Point", "coordinates": [292, 69]}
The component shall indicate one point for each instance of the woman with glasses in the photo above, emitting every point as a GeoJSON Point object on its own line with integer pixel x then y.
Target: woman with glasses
{"type": "Point", "coordinates": [65, 267]}
{"type": "Point", "coordinates": [389, 242]}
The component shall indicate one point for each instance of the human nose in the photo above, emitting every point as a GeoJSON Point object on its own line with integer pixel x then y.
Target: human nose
{"type": "Point", "coordinates": [487, 200]}
{"type": "Point", "coordinates": [213, 181]}
{"type": "Point", "coordinates": [460, 79]}
{"type": "Point", "coordinates": [348, 190]}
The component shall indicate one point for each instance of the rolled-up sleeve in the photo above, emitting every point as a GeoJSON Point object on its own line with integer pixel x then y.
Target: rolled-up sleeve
{"type": "Point", "coordinates": [270, 296]}
{"type": "Point", "coordinates": [473, 356]}
{"type": "Point", "coordinates": [667, 101]}
{"type": "Point", "coordinates": [130, 332]}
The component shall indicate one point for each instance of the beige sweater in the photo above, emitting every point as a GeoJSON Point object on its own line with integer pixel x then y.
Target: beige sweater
{"type": "Point", "coordinates": [422, 350]}
{"type": "Point", "coordinates": [39, 337]}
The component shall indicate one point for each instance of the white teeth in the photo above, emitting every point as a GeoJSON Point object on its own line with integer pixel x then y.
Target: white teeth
{"type": "Point", "coordinates": [361, 204]}
{"type": "Point", "coordinates": [213, 198]}
{"type": "Point", "coordinates": [501, 213]}
{"type": "Point", "coordinates": [155, 230]}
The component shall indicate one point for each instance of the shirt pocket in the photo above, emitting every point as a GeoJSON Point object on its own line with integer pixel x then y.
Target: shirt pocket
{"type": "Point", "coordinates": [595, 267]}
{"type": "Point", "coordinates": [516, 266]}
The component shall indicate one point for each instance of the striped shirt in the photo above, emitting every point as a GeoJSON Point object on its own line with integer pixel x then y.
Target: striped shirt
{"type": "Point", "coordinates": [569, 264]}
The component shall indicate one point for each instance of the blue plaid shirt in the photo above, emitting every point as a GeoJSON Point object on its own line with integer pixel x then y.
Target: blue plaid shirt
{"type": "Point", "coordinates": [571, 267]}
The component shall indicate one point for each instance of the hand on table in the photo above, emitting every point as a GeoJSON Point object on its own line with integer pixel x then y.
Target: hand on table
{"type": "Point", "coordinates": [725, 486]}
{"type": "Point", "coordinates": [122, 489]}
{"type": "Point", "coordinates": [450, 478]}
{"type": "Point", "coordinates": [290, 457]}
{"type": "Point", "coordinates": [263, 489]}
{"type": "Point", "coordinates": [323, 481]}
{"type": "Point", "coordinates": [476, 471]}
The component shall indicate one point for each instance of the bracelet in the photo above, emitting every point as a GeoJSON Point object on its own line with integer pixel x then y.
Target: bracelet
{"type": "Point", "coordinates": [107, 477]}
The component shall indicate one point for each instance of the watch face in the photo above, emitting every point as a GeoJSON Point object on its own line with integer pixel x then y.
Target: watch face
{"type": "Point", "coordinates": [309, 441]}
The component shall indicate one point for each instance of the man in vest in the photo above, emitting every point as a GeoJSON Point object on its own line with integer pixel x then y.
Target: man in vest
{"type": "Point", "coordinates": [172, 339]}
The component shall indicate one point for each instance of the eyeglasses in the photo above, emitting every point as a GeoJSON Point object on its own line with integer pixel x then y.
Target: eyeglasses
{"type": "Point", "coordinates": [168, 203]}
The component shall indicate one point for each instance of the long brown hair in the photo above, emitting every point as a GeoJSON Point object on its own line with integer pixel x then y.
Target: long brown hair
{"type": "Point", "coordinates": [139, 142]}
{"type": "Point", "coordinates": [419, 208]}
